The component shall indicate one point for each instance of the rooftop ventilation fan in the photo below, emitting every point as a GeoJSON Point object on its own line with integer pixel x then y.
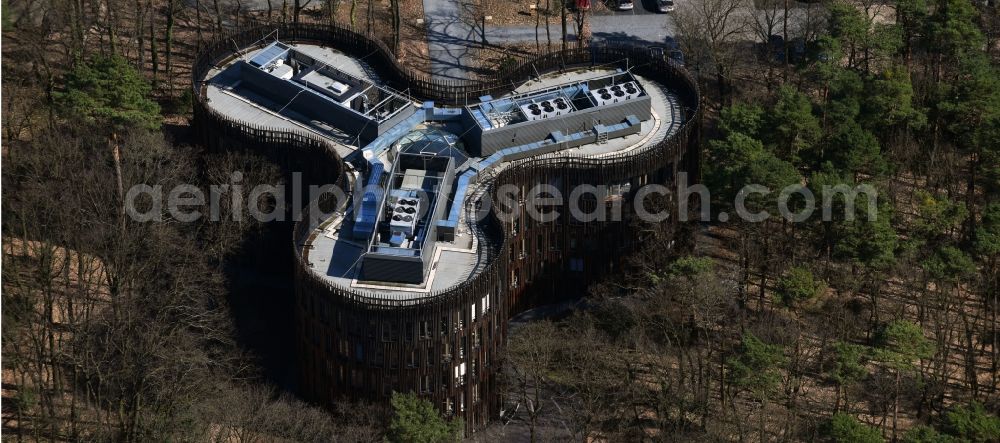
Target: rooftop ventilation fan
{"type": "Point", "coordinates": [408, 218]}
{"type": "Point", "coordinates": [397, 217]}
{"type": "Point", "coordinates": [605, 96]}
{"type": "Point", "coordinates": [619, 93]}
{"type": "Point", "coordinates": [398, 209]}
{"type": "Point", "coordinates": [561, 104]}
{"type": "Point", "coordinates": [409, 210]}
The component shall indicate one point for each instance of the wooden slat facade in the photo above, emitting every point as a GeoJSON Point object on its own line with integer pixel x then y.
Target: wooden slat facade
{"type": "Point", "coordinates": [359, 344]}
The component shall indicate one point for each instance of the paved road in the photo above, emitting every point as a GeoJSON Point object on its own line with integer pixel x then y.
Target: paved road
{"type": "Point", "coordinates": [640, 29]}
{"type": "Point", "coordinates": [641, 7]}
{"type": "Point", "coordinates": [448, 38]}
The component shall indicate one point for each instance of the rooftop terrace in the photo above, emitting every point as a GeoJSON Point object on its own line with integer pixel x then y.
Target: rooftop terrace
{"type": "Point", "coordinates": [334, 249]}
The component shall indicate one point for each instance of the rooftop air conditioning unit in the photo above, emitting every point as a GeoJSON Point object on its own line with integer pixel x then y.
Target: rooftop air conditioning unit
{"type": "Point", "coordinates": [602, 96]}
{"type": "Point", "coordinates": [632, 90]}
{"type": "Point", "coordinates": [533, 111]}
{"type": "Point", "coordinates": [404, 215]}
{"type": "Point", "coordinates": [618, 92]}
{"type": "Point", "coordinates": [547, 109]}
{"type": "Point", "coordinates": [561, 105]}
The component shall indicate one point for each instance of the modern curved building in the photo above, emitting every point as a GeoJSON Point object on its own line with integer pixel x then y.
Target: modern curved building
{"type": "Point", "coordinates": [408, 283]}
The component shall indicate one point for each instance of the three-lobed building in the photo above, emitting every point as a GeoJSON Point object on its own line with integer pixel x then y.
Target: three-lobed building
{"type": "Point", "coordinates": [410, 283]}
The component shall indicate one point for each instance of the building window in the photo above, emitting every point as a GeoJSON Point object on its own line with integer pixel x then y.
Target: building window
{"type": "Point", "coordinates": [425, 384]}
{"type": "Point", "coordinates": [576, 264]}
{"type": "Point", "coordinates": [460, 374]}
{"type": "Point", "coordinates": [425, 330]}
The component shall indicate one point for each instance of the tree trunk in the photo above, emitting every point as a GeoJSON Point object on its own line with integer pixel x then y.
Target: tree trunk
{"type": "Point", "coordinates": [548, 32]}
{"type": "Point", "coordinates": [112, 27]}
{"type": "Point", "coordinates": [538, 16]}
{"type": "Point", "coordinates": [396, 26]}
{"type": "Point", "coordinates": [354, 6]}
{"type": "Point", "coordinates": [562, 9]}
{"type": "Point", "coordinates": [784, 32]}
{"type": "Point", "coordinates": [197, 19]}
{"type": "Point", "coordinates": [170, 44]}
{"type": "Point", "coordinates": [895, 406]}
{"type": "Point", "coordinates": [140, 33]}
{"type": "Point", "coordinates": [153, 55]}
{"type": "Point", "coordinates": [371, 19]}
{"type": "Point", "coordinates": [218, 16]}
{"type": "Point", "coordinates": [237, 13]}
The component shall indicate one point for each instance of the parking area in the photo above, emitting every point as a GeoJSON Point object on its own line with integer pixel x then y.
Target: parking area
{"type": "Point", "coordinates": [639, 7]}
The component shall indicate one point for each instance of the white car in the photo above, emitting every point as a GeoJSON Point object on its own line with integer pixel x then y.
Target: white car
{"type": "Point", "coordinates": [625, 5]}
{"type": "Point", "coordinates": [665, 5]}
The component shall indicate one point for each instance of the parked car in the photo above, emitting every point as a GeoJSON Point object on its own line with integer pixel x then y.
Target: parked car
{"type": "Point", "coordinates": [665, 5]}
{"type": "Point", "coordinates": [625, 5]}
